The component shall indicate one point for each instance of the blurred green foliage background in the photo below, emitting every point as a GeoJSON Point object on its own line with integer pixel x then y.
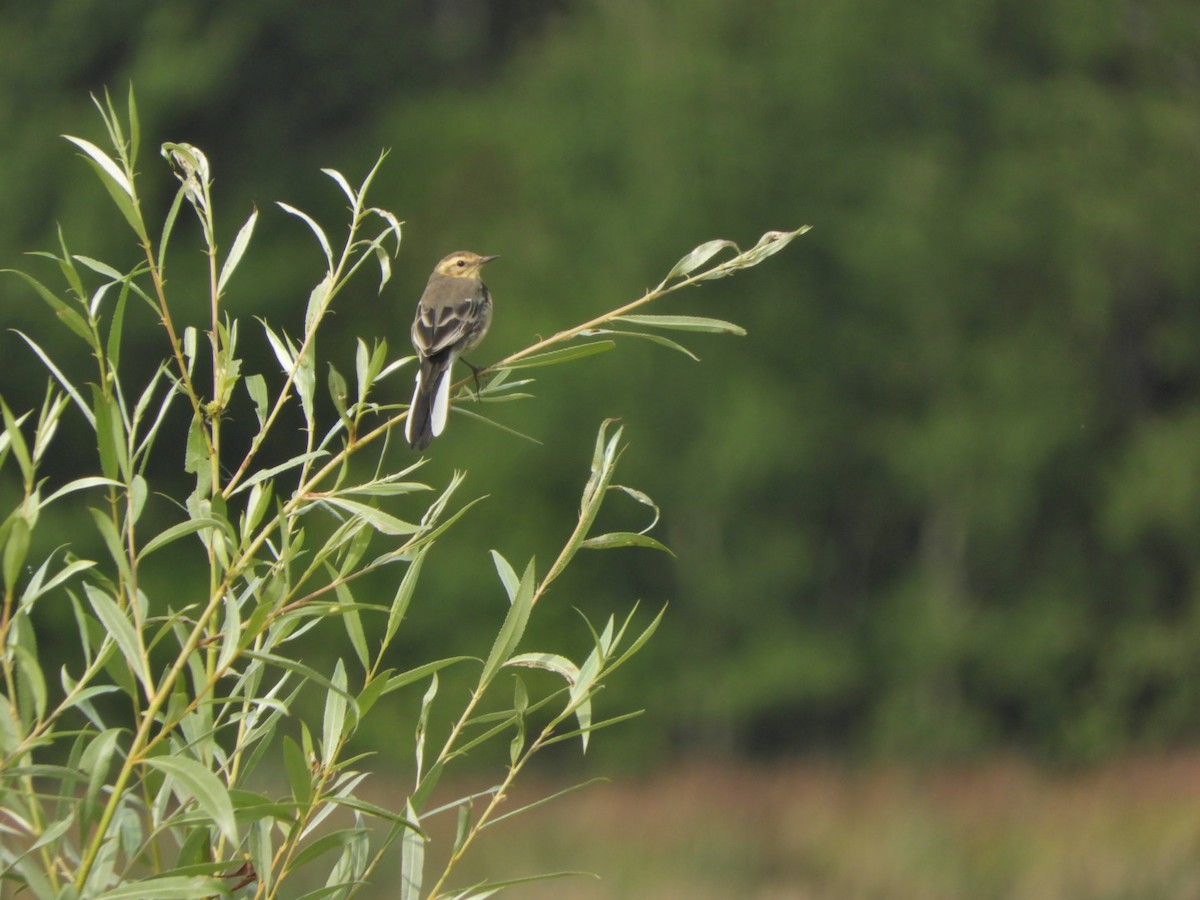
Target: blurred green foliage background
{"type": "Point", "coordinates": [944, 497]}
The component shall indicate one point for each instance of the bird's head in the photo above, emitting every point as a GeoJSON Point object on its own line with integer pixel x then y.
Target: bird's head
{"type": "Point", "coordinates": [463, 264]}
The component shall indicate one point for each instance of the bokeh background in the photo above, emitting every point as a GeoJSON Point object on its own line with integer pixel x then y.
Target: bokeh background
{"type": "Point", "coordinates": [936, 516]}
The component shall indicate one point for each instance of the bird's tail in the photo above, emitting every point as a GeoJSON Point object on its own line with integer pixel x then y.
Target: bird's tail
{"type": "Point", "coordinates": [430, 403]}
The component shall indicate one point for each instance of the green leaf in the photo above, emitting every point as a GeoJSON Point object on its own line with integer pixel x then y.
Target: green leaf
{"type": "Point", "coordinates": [110, 436]}
{"type": "Point", "coordinates": [15, 549]}
{"type": "Point", "coordinates": [106, 164]}
{"type": "Point", "coordinates": [404, 679]}
{"type": "Point", "coordinates": [256, 387]}
{"type": "Point", "coordinates": [96, 265]}
{"type": "Point", "coordinates": [343, 184]}
{"type": "Point", "coordinates": [624, 539]}
{"type": "Point", "coordinates": [191, 780]}
{"type": "Point", "coordinates": [139, 492]}
{"type": "Point", "coordinates": [325, 844]}
{"type": "Point", "coordinates": [653, 338]}
{"type": "Point", "coordinates": [31, 876]}
{"type": "Point", "coordinates": [112, 541]}
{"type": "Point", "coordinates": [264, 474]}
{"type": "Point", "coordinates": [69, 316]}
{"type": "Point", "coordinates": [169, 887]}
{"type": "Point", "coordinates": [385, 266]}
{"type": "Point", "coordinates": [31, 683]}
{"type": "Point", "coordinates": [306, 383]}
{"type": "Point", "coordinates": [316, 229]}
{"type": "Point", "coordinates": [191, 526]}
{"type": "Point", "coordinates": [550, 662]}
{"type": "Point", "coordinates": [121, 630]}
{"type": "Point", "coordinates": [487, 889]}
{"type": "Point", "coordinates": [768, 245]}
{"type": "Point", "coordinates": [195, 457]}
{"type": "Point", "coordinates": [353, 623]}
{"type": "Point", "coordinates": [135, 127]}
{"type": "Point", "coordinates": [287, 359]}
{"type": "Point", "coordinates": [542, 801]}
{"type": "Point", "coordinates": [333, 724]}
{"type": "Point", "coordinates": [553, 357]}
{"type": "Point", "coordinates": [115, 328]}
{"type": "Point", "coordinates": [684, 323]}
{"type": "Point", "coordinates": [16, 440]}
{"type": "Point", "coordinates": [362, 369]}
{"type": "Point", "coordinates": [339, 391]}
{"type": "Point", "coordinates": [119, 197]}
{"type": "Point", "coordinates": [231, 631]}
{"type": "Point", "coordinates": [412, 858]}
{"type": "Point", "coordinates": [513, 628]}
{"type": "Point", "coordinates": [698, 257]}
{"type": "Point", "coordinates": [37, 589]}
{"type": "Point", "coordinates": [403, 595]}
{"type": "Point", "coordinates": [604, 460]}
{"type": "Point", "coordinates": [60, 378]}
{"type": "Point", "coordinates": [169, 225]}
{"type": "Point", "coordinates": [67, 266]}
{"type": "Point", "coordinates": [639, 642]}
{"type": "Point", "coordinates": [257, 505]}
{"type": "Point", "coordinates": [11, 732]}
{"type": "Point", "coordinates": [376, 518]}
{"type": "Point", "coordinates": [318, 300]}
{"type": "Point", "coordinates": [298, 773]}
{"type": "Point", "coordinates": [392, 222]}
{"type": "Point", "coordinates": [240, 243]}
{"type": "Point", "coordinates": [508, 575]}
{"type": "Point", "coordinates": [423, 721]}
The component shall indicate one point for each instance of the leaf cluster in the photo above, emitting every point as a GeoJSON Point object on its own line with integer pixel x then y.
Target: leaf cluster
{"type": "Point", "coordinates": [137, 768]}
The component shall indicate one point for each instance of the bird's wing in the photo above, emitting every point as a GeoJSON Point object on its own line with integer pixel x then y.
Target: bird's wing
{"type": "Point", "coordinates": [444, 325]}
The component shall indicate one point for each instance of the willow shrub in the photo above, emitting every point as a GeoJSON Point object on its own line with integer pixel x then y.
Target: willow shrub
{"type": "Point", "coordinates": [131, 771]}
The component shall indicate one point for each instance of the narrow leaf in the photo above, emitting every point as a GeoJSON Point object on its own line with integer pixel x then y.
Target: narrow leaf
{"type": "Point", "coordinates": [68, 314]}
{"type": "Point", "coordinates": [624, 539]}
{"type": "Point", "coordinates": [105, 162]}
{"type": "Point", "coordinates": [61, 378]}
{"type": "Point", "coordinates": [553, 357]}
{"type": "Point", "coordinates": [316, 229]}
{"type": "Point", "coordinates": [685, 323]}
{"type": "Point", "coordinates": [169, 887]}
{"type": "Point", "coordinates": [298, 773]}
{"type": "Point", "coordinates": [121, 630]}
{"type": "Point", "coordinates": [412, 858]}
{"type": "Point", "coordinates": [334, 722]}
{"type": "Point", "coordinates": [508, 575]}
{"type": "Point", "coordinates": [343, 184]}
{"type": "Point", "coordinates": [191, 526]}
{"type": "Point", "coordinates": [653, 338]}
{"type": "Point", "coordinates": [698, 257]}
{"type": "Point", "coordinates": [513, 628]}
{"type": "Point", "coordinates": [256, 387]}
{"type": "Point", "coordinates": [192, 780]}
{"type": "Point", "coordinates": [376, 518]}
{"type": "Point", "coordinates": [237, 250]}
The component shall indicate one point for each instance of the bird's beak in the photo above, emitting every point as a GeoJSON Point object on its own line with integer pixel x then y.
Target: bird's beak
{"type": "Point", "coordinates": [488, 259]}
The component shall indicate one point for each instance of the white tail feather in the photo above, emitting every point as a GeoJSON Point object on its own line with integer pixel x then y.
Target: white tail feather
{"type": "Point", "coordinates": [409, 423]}
{"type": "Point", "coordinates": [440, 410]}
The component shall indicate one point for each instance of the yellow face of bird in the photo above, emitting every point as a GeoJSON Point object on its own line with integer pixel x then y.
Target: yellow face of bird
{"type": "Point", "coordinates": [463, 264]}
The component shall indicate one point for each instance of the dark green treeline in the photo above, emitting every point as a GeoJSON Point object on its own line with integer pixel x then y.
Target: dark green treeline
{"type": "Point", "coordinates": [944, 497]}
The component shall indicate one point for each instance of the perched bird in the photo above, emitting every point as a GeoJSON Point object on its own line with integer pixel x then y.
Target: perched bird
{"type": "Point", "coordinates": [452, 317]}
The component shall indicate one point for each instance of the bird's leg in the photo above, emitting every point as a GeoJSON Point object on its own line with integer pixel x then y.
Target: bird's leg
{"type": "Point", "coordinates": [475, 371]}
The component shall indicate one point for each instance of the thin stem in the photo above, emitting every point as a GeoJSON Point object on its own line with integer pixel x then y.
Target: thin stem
{"type": "Point", "coordinates": [214, 336]}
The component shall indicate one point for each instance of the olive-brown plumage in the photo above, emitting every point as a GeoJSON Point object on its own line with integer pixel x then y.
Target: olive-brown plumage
{"type": "Point", "coordinates": [453, 315]}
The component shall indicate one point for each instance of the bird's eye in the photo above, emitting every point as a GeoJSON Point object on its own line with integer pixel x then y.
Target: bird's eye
{"type": "Point", "coordinates": [461, 263]}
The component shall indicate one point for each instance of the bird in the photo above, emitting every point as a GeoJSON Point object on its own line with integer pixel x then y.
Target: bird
{"type": "Point", "coordinates": [453, 315]}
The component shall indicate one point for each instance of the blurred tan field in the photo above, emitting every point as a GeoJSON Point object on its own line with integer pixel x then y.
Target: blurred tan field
{"type": "Point", "coordinates": [819, 831]}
